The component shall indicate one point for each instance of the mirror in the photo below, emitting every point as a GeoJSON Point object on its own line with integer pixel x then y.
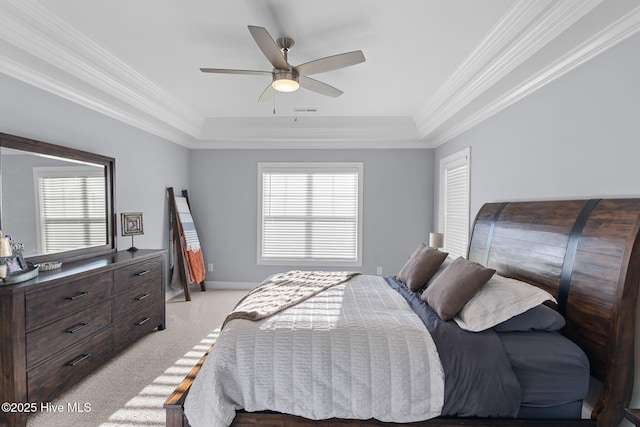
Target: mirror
{"type": "Point", "coordinates": [57, 201]}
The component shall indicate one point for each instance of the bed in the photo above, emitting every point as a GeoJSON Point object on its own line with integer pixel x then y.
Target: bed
{"type": "Point", "coordinates": [584, 253]}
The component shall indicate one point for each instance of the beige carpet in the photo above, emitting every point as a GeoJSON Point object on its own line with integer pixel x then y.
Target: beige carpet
{"type": "Point", "coordinates": [130, 390]}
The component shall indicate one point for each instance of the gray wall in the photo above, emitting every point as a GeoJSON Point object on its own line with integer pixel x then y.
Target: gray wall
{"type": "Point", "coordinates": [398, 194]}
{"type": "Point", "coordinates": [578, 137]}
{"type": "Point", "coordinates": [145, 164]}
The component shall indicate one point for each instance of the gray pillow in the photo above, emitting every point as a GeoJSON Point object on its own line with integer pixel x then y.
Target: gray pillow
{"type": "Point", "coordinates": [457, 284]}
{"type": "Point", "coordinates": [447, 262]}
{"type": "Point", "coordinates": [422, 264]}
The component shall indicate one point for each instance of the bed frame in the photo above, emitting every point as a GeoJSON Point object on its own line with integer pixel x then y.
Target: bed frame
{"type": "Point", "coordinates": [584, 252]}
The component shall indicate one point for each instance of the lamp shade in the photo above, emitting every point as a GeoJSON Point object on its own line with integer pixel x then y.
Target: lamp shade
{"type": "Point", "coordinates": [436, 240]}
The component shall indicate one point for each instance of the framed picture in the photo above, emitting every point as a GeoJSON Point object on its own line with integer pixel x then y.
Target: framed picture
{"type": "Point", "coordinates": [131, 223]}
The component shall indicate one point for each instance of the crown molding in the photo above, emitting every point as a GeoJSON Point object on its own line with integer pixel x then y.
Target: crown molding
{"type": "Point", "coordinates": [122, 92]}
{"type": "Point", "coordinates": [38, 77]}
{"type": "Point", "coordinates": [613, 34]}
{"type": "Point", "coordinates": [330, 144]}
{"type": "Point", "coordinates": [523, 30]}
{"type": "Point", "coordinates": [311, 132]}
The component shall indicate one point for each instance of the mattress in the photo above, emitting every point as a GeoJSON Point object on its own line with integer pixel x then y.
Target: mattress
{"type": "Point", "coordinates": [552, 372]}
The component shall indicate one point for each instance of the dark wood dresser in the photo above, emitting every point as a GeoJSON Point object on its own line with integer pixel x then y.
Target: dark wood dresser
{"type": "Point", "coordinates": [62, 325]}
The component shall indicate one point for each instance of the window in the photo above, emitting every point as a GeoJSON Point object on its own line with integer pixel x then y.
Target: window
{"type": "Point", "coordinates": [454, 202]}
{"type": "Point", "coordinates": [80, 220]}
{"type": "Point", "coordinates": [310, 214]}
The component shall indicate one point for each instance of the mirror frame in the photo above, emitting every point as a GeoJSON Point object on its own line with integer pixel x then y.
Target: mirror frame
{"type": "Point", "coordinates": [40, 147]}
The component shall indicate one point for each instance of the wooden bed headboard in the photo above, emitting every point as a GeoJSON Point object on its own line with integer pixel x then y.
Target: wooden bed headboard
{"type": "Point", "coordinates": [586, 253]}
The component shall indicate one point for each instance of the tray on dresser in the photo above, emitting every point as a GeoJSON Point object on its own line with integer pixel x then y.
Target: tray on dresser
{"type": "Point", "coordinates": [22, 276]}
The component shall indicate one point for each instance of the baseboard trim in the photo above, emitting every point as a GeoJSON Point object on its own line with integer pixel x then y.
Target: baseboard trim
{"type": "Point", "coordinates": [230, 285]}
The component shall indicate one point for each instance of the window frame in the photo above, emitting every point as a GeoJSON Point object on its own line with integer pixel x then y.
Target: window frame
{"type": "Point", "coordinates": [308, 167]}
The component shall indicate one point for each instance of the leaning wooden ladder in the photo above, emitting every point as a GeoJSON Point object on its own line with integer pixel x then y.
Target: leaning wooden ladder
{"type": "Point", "coordinates": [180, 244]}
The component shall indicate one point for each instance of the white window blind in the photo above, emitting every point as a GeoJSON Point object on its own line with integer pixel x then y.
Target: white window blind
{"type": "Point", "coordinates": [71, 205]}
{"type": "Point", "coordinates": [310, 213]}
{"type": "Point", "coordinates": [454, 202]}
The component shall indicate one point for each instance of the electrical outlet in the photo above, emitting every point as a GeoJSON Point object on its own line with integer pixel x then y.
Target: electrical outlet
{"type": "Point", "coordinates": [210, 267]}
{"type": "Point", "coordinates": [379, 271]}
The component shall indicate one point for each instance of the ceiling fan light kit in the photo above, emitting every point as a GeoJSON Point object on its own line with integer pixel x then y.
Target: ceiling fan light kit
{"type": "Point", "coordinates": [286, 78]}
{"type": "Point", "coordinates": [285, 81]}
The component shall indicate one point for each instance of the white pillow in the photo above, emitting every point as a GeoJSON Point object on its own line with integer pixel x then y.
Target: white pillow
{"type": "Point", "coordinates": [499, 299]}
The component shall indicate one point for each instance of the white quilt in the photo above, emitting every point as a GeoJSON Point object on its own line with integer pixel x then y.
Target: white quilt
{"type": "Point", "coordinates": [356, 350]}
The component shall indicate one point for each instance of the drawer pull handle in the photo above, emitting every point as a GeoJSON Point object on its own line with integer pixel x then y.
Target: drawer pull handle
{"type": "Point", "coordinates": [77, 328]}
{"type": "Point", "coordinates": [80, 295]}
{"type": "Point", "coordinates": [143, 321]}
{"type": "Point", "coordinates": [142, 273]}
{"type": "Point", "coordinates": [79, 360]}
{"type": "Point", "coordinates": [141, 297]}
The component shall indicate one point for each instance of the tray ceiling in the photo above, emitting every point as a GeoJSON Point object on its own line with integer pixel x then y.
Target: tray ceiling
{"type": "Point", "coordinates": [434, 68]}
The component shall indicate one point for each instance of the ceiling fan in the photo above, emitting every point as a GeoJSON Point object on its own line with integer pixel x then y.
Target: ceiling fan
{"type": "Point", "coordinates": [286, 78]}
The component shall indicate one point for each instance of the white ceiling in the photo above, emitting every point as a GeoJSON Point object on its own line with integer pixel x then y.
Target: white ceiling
{"type": "Point", "coordinates": [433, 68]}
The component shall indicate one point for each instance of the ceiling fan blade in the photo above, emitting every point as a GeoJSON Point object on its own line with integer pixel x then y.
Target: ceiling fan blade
{"type": "Point", "coordinates": [228, 71]}
{"type": "Point", "coordinates": [268, 93]}
{"type": "Point", "coordinates": [330, 63]}
{"type": "Point", "coordinates": [319, 87]}
{"type": "Point", "coordinates": [268, 47]}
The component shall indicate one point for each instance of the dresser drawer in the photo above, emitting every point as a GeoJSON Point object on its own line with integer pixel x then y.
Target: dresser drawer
{"type": "Point", "coordinates": [135, 326]}
{"type": "Point", "coordinates": [66, 332]}
{"type": "Point", "coordinates": [49, 379]}
{"type": "Point", "coordinates": [135, 274]}
{"type": "Point", "coordinates": [136, 299]}
{"type": "Point", "coordinates": [44, 306]}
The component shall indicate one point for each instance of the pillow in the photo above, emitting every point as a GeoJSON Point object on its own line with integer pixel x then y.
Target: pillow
{"type": "Point", "coordinates": [422, 264]}
{"type": "Point", "coordinates": [447, 262]}
{"type": "Point", "coordinates": [457, 284]}
{"type": "Point", "coordinates": [502, 298]}
{"type": "Point", "coordinates": [538, 318]}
